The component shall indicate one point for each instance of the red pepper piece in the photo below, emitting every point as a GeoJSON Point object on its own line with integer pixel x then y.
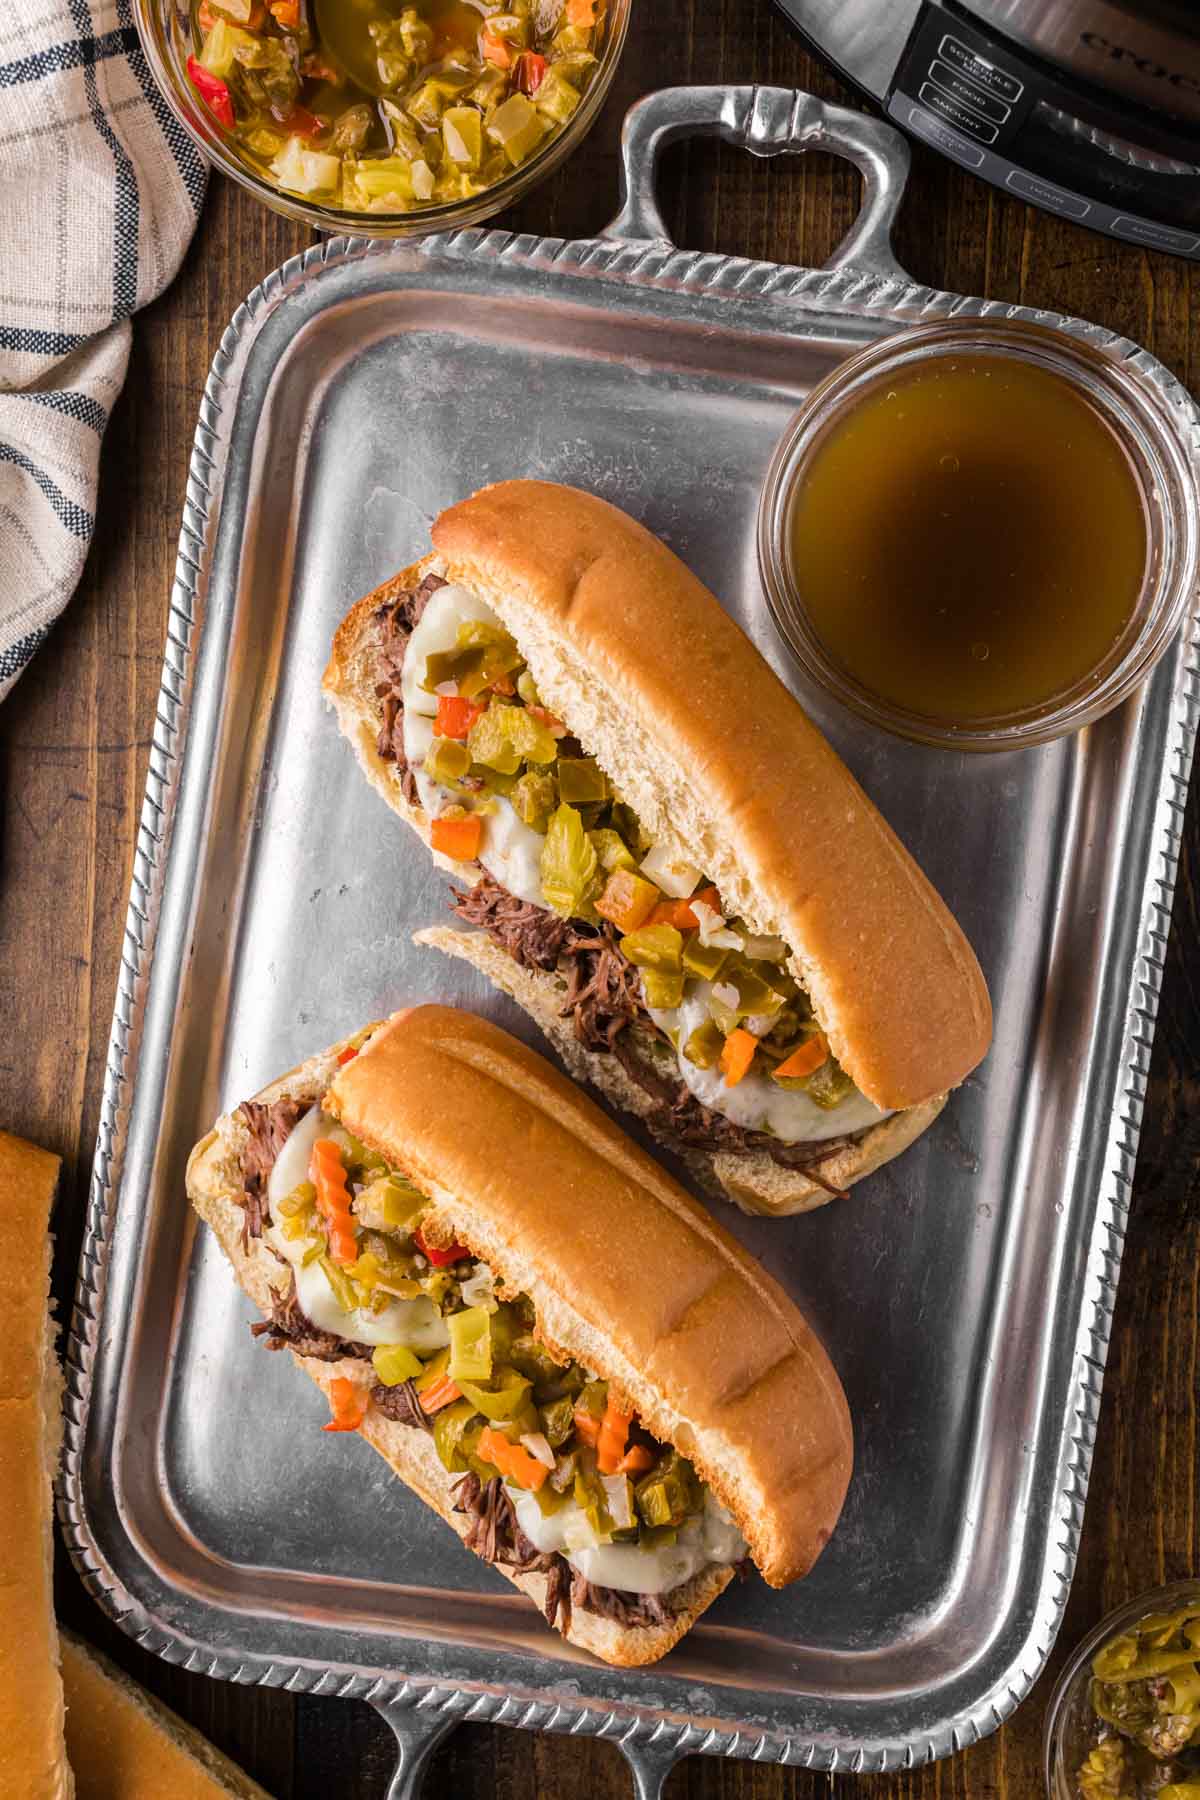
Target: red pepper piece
{"type": "Point", "coordinates": [455, 716]}
{"type": "Point", "coordinates": [213, 91]}
{"type": "Point", "coordinates": [302, 123]}
{"type": "Point", "coordinates": [441, 1259]}
{"type": "Point", "coordinates": [347, 1055]}
{"type": "Point", "coordinates": [530, 72]}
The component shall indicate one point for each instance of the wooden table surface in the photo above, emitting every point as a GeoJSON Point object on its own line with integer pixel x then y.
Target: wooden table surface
{"type": "Point", "coordinates": [76, 732]}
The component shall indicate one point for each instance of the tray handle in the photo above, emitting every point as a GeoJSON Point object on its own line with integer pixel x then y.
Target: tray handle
{"type": "Point", "coordinates": [418, 1730]}
{"type": "Point", "coordinates": [767, 121]}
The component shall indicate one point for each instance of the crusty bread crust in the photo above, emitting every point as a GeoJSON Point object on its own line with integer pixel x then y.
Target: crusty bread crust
{"type": "Point", "coordinates": [626, 1272]}
{"type": "Point", "coordinates": [32, 1753]}
{"type": "Point", "coordinates": [717, 758]}
{"type": "Point", "coordinates": [755, 1182]}
{"type": "Point", "coordinates": [214, 1183]}
{"type": "Point", "coordinates": [144, 1750]}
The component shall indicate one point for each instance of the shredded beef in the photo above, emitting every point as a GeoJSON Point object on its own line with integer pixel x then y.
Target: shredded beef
{"type": "Point", "coordinates": [612, 1603]}
{"type": "Point", "coordinates": [270, 1127]}
{"type": "Point", "coordinates": [401, 1404]}
{"type": "Point", "coordinates": [602, 1001]}
{"type": "Point", "coordinates": [290, 1328]}
{"type": "Point", "coordinates": [397, 620]}
{"type": "Point", "coordinates": [532, 936]}
{"type": "Point", "coordinates": [495, 1535]}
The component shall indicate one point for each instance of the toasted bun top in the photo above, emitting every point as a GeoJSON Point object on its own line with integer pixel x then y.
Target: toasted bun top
{"type": "Point", "coordinates": [627, 1274]}
{"type": "Point", "coordinates": [32, 1754]}
{"type": "Point", "coordinates": [128, 1746]}
{"type": "Point", "coordinates": [704, 740]}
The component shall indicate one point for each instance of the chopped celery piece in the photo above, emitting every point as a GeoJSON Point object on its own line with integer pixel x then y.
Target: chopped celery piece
{"type": "Point", "coordinates": [263, 143]}
{"type": "Point", "coordinates": [568, 864]}
{"type": "Point", "coordinates": [470, 1344]}
{"type": "Point", "coordinates": [517, 128]}
{"type": "Point", "coordinates": [703, 1048]}
{"type": "Point", "coordinates": [380, 178]}
{"type": "Point", "coordinates": [662, 990]}
{"type": "Point", "coordinates": [446, 760]}
{"type": "Point", "coordinates": [298, 1201]}
{"type": "Point", "coordinates": [415, 35]}
{"type": "Point", "coordinates": [655, 947]}
{"type": "Point", "coordinates": [558, 1421]}
{"type": "Point", "coordinates": [703, 960]}
{"type": "Point", "coordinates": [556, 98]}
{"type": "Point", "coordinates": [612, 850]}
{"type": "Point", "coordinates": [506, 736]}
{"type": "Point", "coordinates": [422, 176]}
{"type": "Point", "coordinates": [829, 1085]}
{"type": "Point", "coordinates": [462, 134]}
{"type": "Point", "coordinates": [344, 1290]}
{"type": "Point", "coordinates": [218, 53]}
{"type": "Point", "coordinates": [581, 780]}
{"type": "Point", "coordinates": [394, 1363]}
{"type": "Point", "coordinates": [527, 688]}
{"type": "Point", "coordinates": [305, 171]}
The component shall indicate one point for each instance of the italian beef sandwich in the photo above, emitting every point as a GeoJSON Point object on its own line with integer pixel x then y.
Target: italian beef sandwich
{"type": "Point", "coordinates": [542, 1333]}
{"type": "Point", "coordinates": [657, 853]}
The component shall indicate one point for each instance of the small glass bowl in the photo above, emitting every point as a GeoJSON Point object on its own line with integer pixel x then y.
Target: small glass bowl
{"type": "Point", "coordinates": [1161, 459]}
{"type": "Point", "coordinates": [1067, 1735]}
{"type": "Point", "coordinates": [164, 27]}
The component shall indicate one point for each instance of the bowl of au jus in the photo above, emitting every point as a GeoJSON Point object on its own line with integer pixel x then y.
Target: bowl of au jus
{"type": "Point", "coordinates": [1124, 1718]}
{"type": "Point", "coordinates": [381, 117]}
{"type": "Point", "coordinates": [981, 534]}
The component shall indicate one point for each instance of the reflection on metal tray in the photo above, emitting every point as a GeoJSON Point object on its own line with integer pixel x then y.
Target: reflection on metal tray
{"type": "Point", "coordinates": [964, 1292]}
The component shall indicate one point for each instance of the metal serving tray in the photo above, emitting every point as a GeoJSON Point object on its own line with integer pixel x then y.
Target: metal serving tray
{"type": "Point", "coordinates": [965, 1292]}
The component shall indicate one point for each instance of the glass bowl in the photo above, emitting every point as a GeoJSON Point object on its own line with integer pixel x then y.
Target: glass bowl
{"type": "Point", "coordinates": [1067, 1736]}
{"type": "Point", "coordinates": [164, 27]}
{"type": "Point", "coordinates": [1160, 456]}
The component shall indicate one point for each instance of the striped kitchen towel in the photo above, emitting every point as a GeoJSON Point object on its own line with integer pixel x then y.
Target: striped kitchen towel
{"type": "Point", "coordinates": [100, 190]}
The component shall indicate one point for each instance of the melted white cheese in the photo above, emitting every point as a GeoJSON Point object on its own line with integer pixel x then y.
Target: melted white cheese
{"type": "Point", "coordinates": [712, 1538]}
{"type": "Point", "coordinates": [509, 849]}
{"type": "Point", "coordinates": [417, 1323]}
{"type": "Point", "coordinates": [757, 1102]}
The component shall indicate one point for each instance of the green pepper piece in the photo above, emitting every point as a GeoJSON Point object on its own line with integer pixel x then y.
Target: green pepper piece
{"type": "Point", "coordinates": [568, 864]}
{"type": "Point", "coordinates": [669, 1493]}
{"type": "Point", "coordinates": [298, 1201]}
{"type": "Point", "coordinates": [555, 97]}
{"type": "Point", "coordinates": [704, 1046]}
{"type": "Point", "coordinates": [549, 1499]}
{"type": "Point", "coordinates": [612, 850]}
{"type": "Point", "coordinates": [533, 1359]}
{"type": "Point", "coordinates": [504, 1398]}
{"type": "Point", "coordinates": [663, 991]}
{"type": "Point", "coordinates": [581, 780]}
{"type": "Point", "coordinates": [516, 127]}
{"type": "Point", "coordinates": [558, 1421]}
{"type": "Point", "coordinates": [593, 1399]}
{"type": "Point", "coordinates": [703, 960]}
{"type": "Point", "coordinates": [494, 782]}
{"type": "Point", "coordinates": [446, 760]}
{"type": "Point", "coordinates": [462, 133]}
{"type": "Point", "coordinates": [453, 1437]}
{"type": "Point", "coordinates": [829, 1085]}
{"type": "Point", "coordinates": [534, 797]}
{"type": "Point", "coordinates": [592, 1501]}
{"type": "Point", "coordinates": [655, 947]}
{"type": "Point", "coordinates": [344, 1290]}
{"type": "Point", "coordinates": [394, 1363]}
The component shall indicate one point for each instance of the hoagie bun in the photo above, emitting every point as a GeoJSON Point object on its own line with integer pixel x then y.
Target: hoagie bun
{"type": "Point", "coordinates": [625, 1273]}
{"type": "Point", "coordinates": [724, 772]}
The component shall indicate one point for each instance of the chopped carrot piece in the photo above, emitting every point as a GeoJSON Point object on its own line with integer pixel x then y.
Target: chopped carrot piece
{"type": "Point", "coordinates": [495, 50]}
{"type": "Point", "coordinates": [587, 1426]}
{"type": "Point", "coordinates": [347, 1055]}
{"type": "Point", "coordinates": [803, 1061]}
{"type": "Point", "coordinates": [612, 1438]}
{"type": "Point", "coordinates": [439, 1393]}
{"type": "Point", "coordinates": [581, 12]}
{"type": "Point", "coordinates": [457, 837]}
{"type": "Point", "coordinates": [628, 899]}
{"type": "Point", "coordinates": [679, 912]}
{"type": "Point", "coordinates": [286, 13]}
{"type": "Point", "coordinates": [206, 18]}
{"type": "Point", "coordinates": [347, 1404]}
{"type": "Point", "coordinates": [636, 1460]}
{"type": "Point", "coordinates": [327, 1173]}
{"type": "Point", "coordinates": [511, 1459]}
{"type": "Point", "coordinates": [737, 1055]}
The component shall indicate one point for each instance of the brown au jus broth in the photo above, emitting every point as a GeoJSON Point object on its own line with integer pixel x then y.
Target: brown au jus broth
{"type": "Point", "coordinates": [970, 538]}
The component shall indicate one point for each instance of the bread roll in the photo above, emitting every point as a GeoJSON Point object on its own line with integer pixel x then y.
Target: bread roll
{"type": "Point", "coordinates": [538, 1183]}
{"type": "Point", "coordinates": [723, 767]}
